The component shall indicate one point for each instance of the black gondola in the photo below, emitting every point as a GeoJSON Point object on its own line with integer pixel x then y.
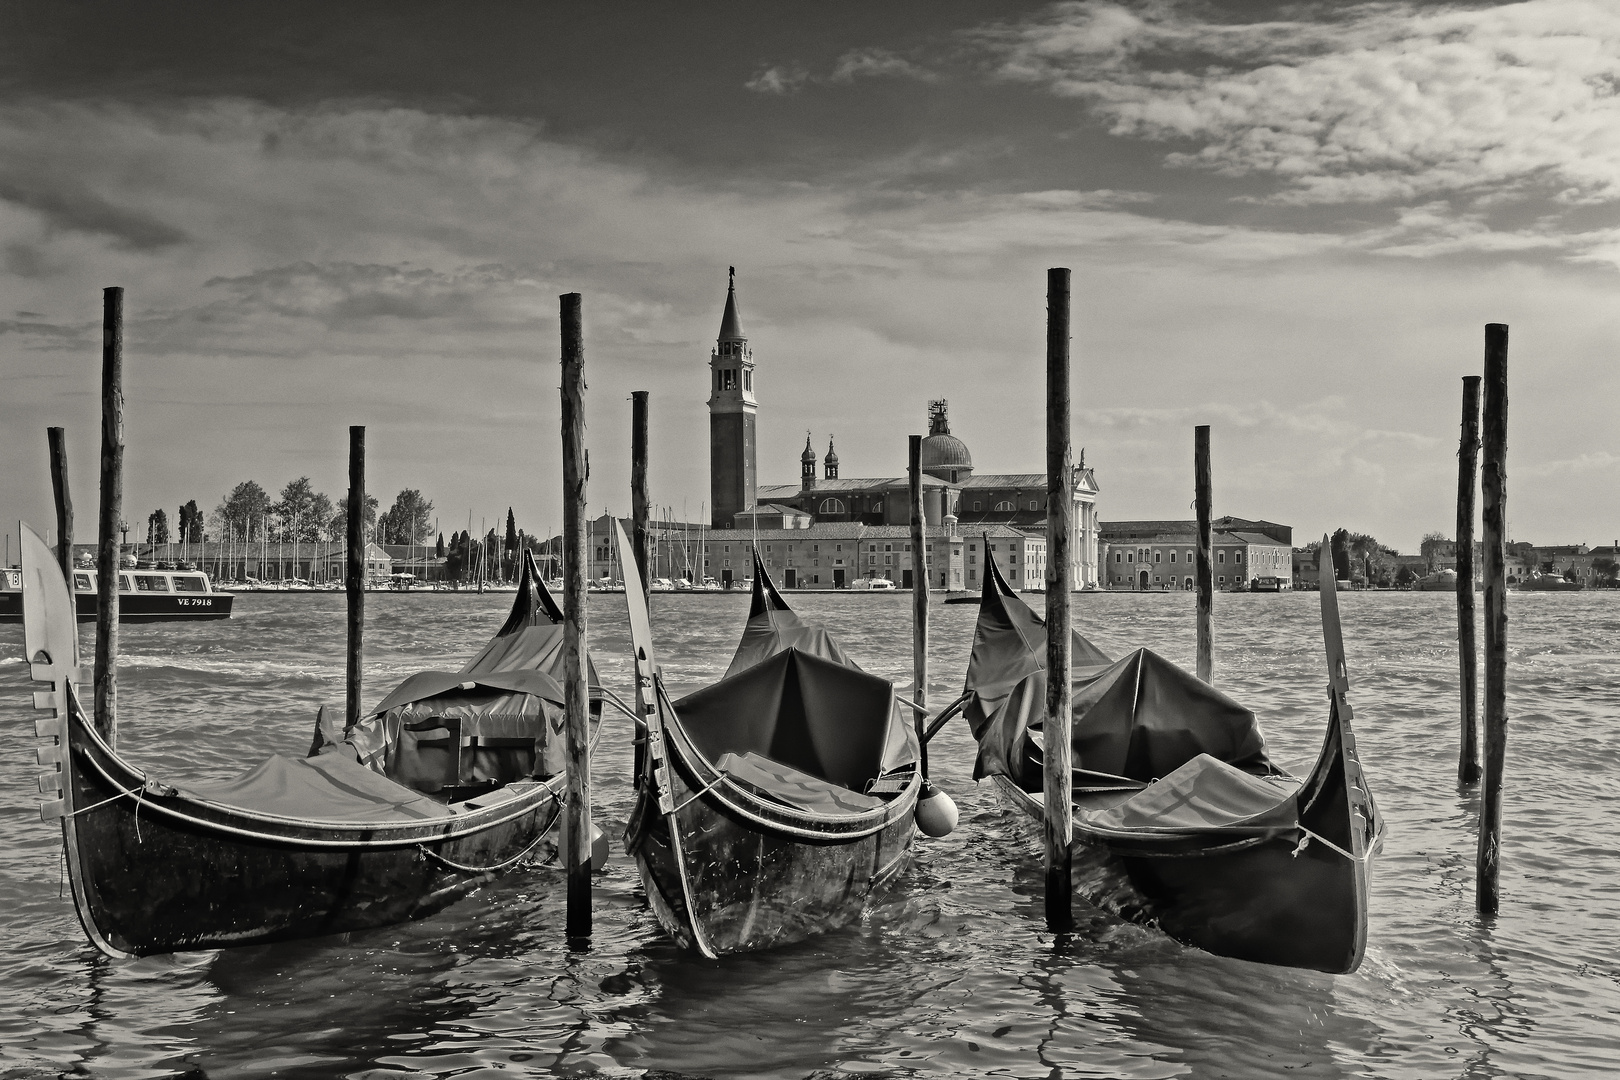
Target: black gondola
{"type": "Point", "coordinates": [1180, 819]}
{"type": "Point", "coordinates": [770, 805]}
{"type": "Point", "coordinates": [453, 778]}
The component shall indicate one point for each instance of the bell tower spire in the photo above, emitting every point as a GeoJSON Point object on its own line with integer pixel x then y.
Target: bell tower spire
{"type": "Point", "coordinates": [733, 479]}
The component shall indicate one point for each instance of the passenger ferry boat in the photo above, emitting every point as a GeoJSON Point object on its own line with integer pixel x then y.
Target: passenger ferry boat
{"type": "Point", "coordinates": [143, 596]}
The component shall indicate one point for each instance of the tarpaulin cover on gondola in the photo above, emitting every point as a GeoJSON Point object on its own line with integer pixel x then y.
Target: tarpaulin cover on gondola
{"type": "Point", "coordinates": [329, 787]}
{"type": "Point", "coordinates": [1140, 718]}
{"type": "Point", "coordinates": [773, 626]}
{"type": "Point", "coordinates": [505, 706]}
{"type": "Point", "coordinates": [1203, 795]}
{"type": "Point", "coordinates": [801, 710]}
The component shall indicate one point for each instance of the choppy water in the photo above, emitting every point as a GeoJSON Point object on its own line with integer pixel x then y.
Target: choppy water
{"type": "Point", "coordinates": [952, 973]}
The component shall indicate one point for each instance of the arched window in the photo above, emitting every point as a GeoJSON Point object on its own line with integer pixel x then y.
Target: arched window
{"type": "Point", "coordinates": [832, 506]}
{"type": "Point", "coordinates": [1005, 506]}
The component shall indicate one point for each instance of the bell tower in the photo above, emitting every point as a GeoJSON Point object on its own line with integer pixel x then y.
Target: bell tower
{"type": "Point", "coordinates": [733, 478]}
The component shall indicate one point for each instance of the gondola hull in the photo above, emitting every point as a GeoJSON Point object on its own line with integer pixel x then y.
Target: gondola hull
{"type": "Point", "coordinates": [157, 871]}
{"type": "Point", "coordinates": [1271, 900]}
{"type": "Point", "coordinates": [753, 887]}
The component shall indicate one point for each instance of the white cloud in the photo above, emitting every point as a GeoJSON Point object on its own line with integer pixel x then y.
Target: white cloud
{"type": "Point", "coordinates": [1364, 103]}
{"type": "Point", "coordinates": [778, 79]}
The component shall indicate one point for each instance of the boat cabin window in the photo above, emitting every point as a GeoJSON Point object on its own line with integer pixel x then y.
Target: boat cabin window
{"type": "Point", "coordinates": [151, 583]}
{"type": "Point", "coordinates": [126, 583]}
{"type": "Point", "coordinates": [189, 584]}
{"type": "Point", "coordinates": [82, 582]}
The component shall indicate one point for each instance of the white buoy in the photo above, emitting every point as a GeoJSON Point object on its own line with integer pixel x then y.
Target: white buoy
{"type": "Point", "coordinates": [936, 812]}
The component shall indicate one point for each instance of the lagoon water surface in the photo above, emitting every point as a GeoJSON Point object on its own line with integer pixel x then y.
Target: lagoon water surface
{"type": "Point", "coordinates": [952, 971]}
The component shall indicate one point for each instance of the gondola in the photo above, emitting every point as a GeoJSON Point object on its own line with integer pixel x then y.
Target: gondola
{"type": "Point", "coordinates": [1181, 821]}
{"type": "Point", "coordinates": [455, 776]}
{"type": "Point", "coordinates": [771, 804]}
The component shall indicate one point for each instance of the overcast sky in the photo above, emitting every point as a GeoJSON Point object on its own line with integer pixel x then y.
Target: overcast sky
{"type": "Point", "coordinates": [1290, 222]}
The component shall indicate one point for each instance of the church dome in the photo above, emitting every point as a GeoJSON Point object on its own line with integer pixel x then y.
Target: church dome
{"type": "Point", "coordinates": [944, 456]}
{"type": "Point", "coordinates": [809, 455]}
{"type": "Point", "coordinates": [944, 453]}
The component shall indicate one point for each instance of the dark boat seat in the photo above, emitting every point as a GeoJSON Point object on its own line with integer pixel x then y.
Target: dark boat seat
{"type": "Point", "coordinates": [324, 788]}
{"type": "Point", "coordinates": [797, 789]}
{"type": "Point", "coordinates": [799, 710]}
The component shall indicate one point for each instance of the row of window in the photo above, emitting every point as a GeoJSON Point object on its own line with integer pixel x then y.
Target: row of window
{"type": "Point", "coordinates": [1187, 556]}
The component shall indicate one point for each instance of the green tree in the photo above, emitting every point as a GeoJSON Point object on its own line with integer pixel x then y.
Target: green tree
{"type": "Point", "coordinates": [244, 511]}
{"type": "Point", "coordinates": [157, 527]}
{"type": "Point", "coordinates": [438, 549]}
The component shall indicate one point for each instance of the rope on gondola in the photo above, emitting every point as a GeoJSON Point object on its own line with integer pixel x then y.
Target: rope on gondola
{"type": "Point", "coordinates": [1307, 836]}
{"type": "Point", "coordinates": [434, 855]}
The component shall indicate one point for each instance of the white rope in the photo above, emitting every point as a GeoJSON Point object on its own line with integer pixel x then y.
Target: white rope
{"type": "Point", "coordinates": [1308, 836]}
{"type": "Point", "coordinates": [501, 865]}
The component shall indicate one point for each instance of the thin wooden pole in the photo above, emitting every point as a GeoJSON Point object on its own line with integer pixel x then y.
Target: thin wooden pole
{"type": "Point", "coordinates": [640, 500]}
{"type": "Point", "coordinates": [1467, 643]}
{"type": "Point", "coordinates": [1493, 517]}
{"type": "Point", "coordinates": [1203, 497]}
{"type": "Point", "coordinates": [354, 577]}
{"type": "Point", "coordinates": [57, 438]}
{"type": "Point", "coordinates": [112, 507]}
{"type": "Point", "coordinates": [919, 599]}
{"type": "Point", "coordinates": [1059, 585]}
{"type": "Point", "coordinates": [576, 470]}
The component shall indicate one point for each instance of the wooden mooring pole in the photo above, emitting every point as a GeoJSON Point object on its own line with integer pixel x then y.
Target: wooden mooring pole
{"type": "Point", "coordinates": [1204, 569]}
{"type": "Point", "coordinates": [354, 573]}
{"type": "Point", "coordinates": [57, 439]}
{"type": "Point", "coordinates": [1493, 518]}
{"type": "Point", "coordinates": [640, 499]}
{"type": "Point", "coordinates": [576, 471]}
{"type": "Point", "coordinates": [1058, 785]}
{"type": "Point", "coordinates": [112, 507]}
{"type": "Point", "coordinates": [919, 599]}
{"type": "Point", "coordinates": [1467, 643]}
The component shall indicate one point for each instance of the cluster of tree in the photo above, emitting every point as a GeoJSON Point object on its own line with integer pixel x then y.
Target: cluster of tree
{"type": "Point", "coordinates": [300, 514]}
{"type": "Point", "coordinates": [1359, 557]}
{"type": "Point", "coordinates": [494, 557]}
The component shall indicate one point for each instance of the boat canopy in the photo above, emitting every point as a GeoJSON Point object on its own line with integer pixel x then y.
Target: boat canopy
{"type": "Point", "coordinates": [804, 711]}
{"type": "Point", "coordinates": [532, 636]}
{"type": "Point", "coordinates": [1009, 644]}
{"type": "Point", "coordinates": [1203, 795]}
{"type": "Point", "coordinates": [496, 720]}
{"type": "Point", "coordinates": [773, 626]}
{"type": "Point", "coordinates": [327, 788]}
{"type": "Point", "coordinates": [1140, 718]}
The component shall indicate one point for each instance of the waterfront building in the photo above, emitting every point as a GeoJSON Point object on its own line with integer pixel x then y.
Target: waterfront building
{"type": "Point", "coordinates": [1139, 556]}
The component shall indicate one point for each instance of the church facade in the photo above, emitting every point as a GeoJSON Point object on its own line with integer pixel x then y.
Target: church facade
{"type": "Point", "coordinates": [1005, 513]}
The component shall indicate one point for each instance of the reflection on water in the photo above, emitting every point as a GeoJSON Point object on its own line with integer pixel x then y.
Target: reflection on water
{"type": "Point", "coordinates": [951, 972]}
